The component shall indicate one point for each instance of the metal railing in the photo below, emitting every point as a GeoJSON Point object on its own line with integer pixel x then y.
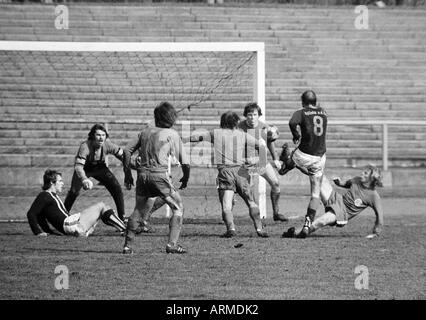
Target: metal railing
{"type": "Point", "coordinates": [383, 123]}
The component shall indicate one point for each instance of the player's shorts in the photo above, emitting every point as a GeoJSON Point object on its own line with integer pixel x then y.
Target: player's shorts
{"type": "Point", "coordinates": [236, 179]}
{"type": "Point", "coordinates": [309, 164]}
{"type": "Point", "coordinates": [154, 184]}
{"type": "Point", "coordinates": [73, 227]}
{"type": "Point", "coordinates": [336, 204]}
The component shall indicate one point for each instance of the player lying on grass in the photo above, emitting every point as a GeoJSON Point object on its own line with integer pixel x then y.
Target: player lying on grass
{"type": "Point", "coordinates": [339, 209]}
{"type": "Point", "coordinates": [90, 162]}
{"type": "Point", "coordinates": [261, 130]}
{"type": "Point", "coordinates": [48, 208]}
{"type": "Point", "coordinates": [308, 126]}
{"type": "Point", "coordinates": [233, 175]}
{"type": "Point", "coordinates": [155, 144]}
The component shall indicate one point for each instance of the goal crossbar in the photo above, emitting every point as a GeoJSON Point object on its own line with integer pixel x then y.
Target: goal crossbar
{"type": "Point", "coordinates": [132, 46]}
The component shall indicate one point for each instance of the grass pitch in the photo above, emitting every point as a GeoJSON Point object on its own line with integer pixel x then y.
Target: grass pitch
{"type": "Point", "coordinates": [320, 267]}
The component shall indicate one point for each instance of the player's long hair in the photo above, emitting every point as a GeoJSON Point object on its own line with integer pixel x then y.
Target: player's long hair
{"type": "Point", "coordinates": [165, 115]}
{"type": "Point", "coordinates": [97, 126]}
{"type": "Point", "coordinates": [229, 120]}
{"type": "Point", "coordinates": [49, 178]}
{"type": "Point", "coordinates": [309, 98]}
{"type": "Point", "coordinates": [250, 107]}
{"type": "Point", "coordinates": [375, 176]}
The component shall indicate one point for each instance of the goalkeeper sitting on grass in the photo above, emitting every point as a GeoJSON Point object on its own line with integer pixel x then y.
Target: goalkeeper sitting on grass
{"type": "Point", "coordinates": [48, 207]}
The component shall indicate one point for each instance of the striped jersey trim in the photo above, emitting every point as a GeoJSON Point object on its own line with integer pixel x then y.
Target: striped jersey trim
{"type": "Point", "coordinates": [59, 203]}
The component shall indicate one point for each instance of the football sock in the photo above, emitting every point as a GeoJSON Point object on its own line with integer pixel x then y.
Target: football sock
{"type": "Point", "coordinates": [313, 206]}
{"type": "Point", "coordinates": [110, 218]}
{"type": "Point", "coordinates": [255, 216]}
{"type": "Point", "coordinates": [175, 226]}
{"type": "Point", "coordinates": [228, 219]}
{"type": "Point", "coordinates": [275, 197]}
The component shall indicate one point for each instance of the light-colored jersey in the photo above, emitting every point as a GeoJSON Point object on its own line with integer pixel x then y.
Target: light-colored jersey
{"type": "Point", "coordinates": [155, 145]}
{"type": "Point", "coordinates": [357, 198]}
{"type": "Point", "coordinates": [229, 146]}
{"type": "Point", "coordinates": [259, 133]}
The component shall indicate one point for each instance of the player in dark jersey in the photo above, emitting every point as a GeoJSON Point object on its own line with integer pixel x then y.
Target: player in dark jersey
{"type": "Point", "coordinates": [48, 208]}
{"type": "Point", "coordinates": [262, 131]}
{"type": "Point", "coordinates": [155, 145]}
{"type": "Point", "coordinates": [339, 208]}
{"type": "Point", "coordinates": [90, 162]}
{"type": "Point", "coordinates": [308, 127]}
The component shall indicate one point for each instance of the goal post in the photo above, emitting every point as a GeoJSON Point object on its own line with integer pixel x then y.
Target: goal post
{"type": "Point", "coordinates": [52, 48]}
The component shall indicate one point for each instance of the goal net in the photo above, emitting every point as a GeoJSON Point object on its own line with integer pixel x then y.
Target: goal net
{"type": "Point", "coordinates": [53, 92]}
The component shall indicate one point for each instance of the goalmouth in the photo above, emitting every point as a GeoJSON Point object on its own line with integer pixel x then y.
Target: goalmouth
{"type": "Point", "coordinates": [103, 57]}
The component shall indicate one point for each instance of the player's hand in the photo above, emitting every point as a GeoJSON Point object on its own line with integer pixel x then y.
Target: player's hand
{"type": "Point", "coordinates": [337, 181]}
{"type": "Point", "coordinates": [277, 164]}
{"type": "Point", "coordinates": [184, 180]}
{"type": "Point", "coordinates": [295, 141]}
{"type": "Point", "coordinates": [128, 181]}
{"type": "Point", "coordinates": [184, 183]}
{"type": "Point", "coordinates": [42, 234]}
{"type": "Point", "coordinates": [87, 184]}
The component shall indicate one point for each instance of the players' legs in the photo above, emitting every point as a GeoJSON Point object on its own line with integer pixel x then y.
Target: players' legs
{"type": "Point", "coordinates": [270, 176]}
{"type": "Point", "coordinates": [74, 191]}
{"type": "Point", "coordinates": [314, 203]}
{"type": "Point", "coordinates": [144, 223]}
{"type": "Point", "coordinates": [326, 189]}
{"type": "Point", "coordinates": [254, 213]}
{"type": "Point", "coordinates": [287, 160]}
{"type": "Point", "coordinates": [327, 219]}
{"type": "Point", "coordinates": [143, 204]}
{"type": "Point", "coordinates": [226, 198]}
{"type": "Point", "coordinates": [175, 223]}
{"type": "Point", "coordinates": [107, 178]}
{"type": "Point", "coordinates": [90, 217]}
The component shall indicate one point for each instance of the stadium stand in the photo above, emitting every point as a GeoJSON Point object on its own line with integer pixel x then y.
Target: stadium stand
{"type": "Point", "coordinates": [379, 73]}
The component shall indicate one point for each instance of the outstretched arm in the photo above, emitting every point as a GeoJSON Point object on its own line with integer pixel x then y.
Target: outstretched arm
{"type": "Point", "coordinates": [343, 184]}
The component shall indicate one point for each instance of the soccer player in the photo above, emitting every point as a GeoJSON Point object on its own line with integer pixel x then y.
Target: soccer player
{"type": "Point", "coordinates": [155, 145]}
{"type": "Point", "coordinates": [339, 208]}
{"type": "Point", "coordinates": [48, 207]}
{"type": "Point", "coordinates": [233, 175]}
{"type": "Point", "coordinates": [90, 162]}
{"type": "Point", "coordinates": [309, 156]}
{"type": "Point", "coordinates": [261, 130]}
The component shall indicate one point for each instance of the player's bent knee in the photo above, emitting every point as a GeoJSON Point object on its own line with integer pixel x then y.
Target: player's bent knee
{"type": "Point", "coordinates": [275, 188]}
{"type": "Point", "coordinates": [178, 212]}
